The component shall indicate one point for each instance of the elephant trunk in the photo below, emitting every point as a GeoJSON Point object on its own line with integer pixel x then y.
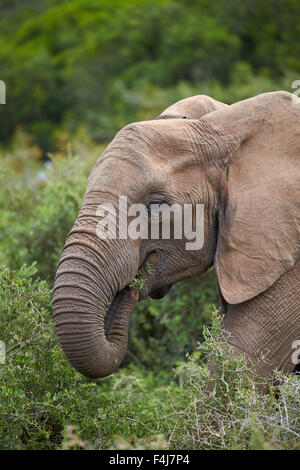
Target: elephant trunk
{"type": "Point", "coordinates": [94, 343]}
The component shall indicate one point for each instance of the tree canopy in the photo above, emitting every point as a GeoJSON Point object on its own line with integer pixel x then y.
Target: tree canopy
{"type": "Point", "coordinates": [103, 63]}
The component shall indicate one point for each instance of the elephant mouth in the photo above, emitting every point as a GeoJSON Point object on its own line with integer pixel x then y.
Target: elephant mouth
{"type": "Point", "coordinates": [153, 284]}
{"type": "Point", "coordinates": [120, 300]}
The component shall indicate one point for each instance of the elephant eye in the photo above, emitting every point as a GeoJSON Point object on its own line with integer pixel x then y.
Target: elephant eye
{"type": "Point", "coordinates": [154, 205]}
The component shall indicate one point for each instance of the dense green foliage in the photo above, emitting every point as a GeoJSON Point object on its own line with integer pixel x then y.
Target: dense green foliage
{"type": "Point", "coordinates": [45, 404]}
{"type": "Point", "coordinates": [104, 63]}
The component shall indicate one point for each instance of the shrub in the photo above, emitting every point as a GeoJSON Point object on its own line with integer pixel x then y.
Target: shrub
{"type": "Point", "coordinates": [46, 404]}
{"type": "Point", "coordinates": [227, 410]}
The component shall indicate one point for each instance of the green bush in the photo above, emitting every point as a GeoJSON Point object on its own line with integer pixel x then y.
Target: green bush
{"type": "Point", "coordinates": [232, 409]}
{"type": "Point", "coordinates": [72, 63]}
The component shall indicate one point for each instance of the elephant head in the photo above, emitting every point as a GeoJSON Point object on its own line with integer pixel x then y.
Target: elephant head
{"type": "Point", "coordinates": [239, 162]}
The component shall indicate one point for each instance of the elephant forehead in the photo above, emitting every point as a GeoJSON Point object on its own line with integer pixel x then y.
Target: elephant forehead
{"type": "Point", "coordinates": [161, 139]}
{"type": "Point", "coordinates": [128, 175]}
{"type": "Point", "coordinates": [143, 153]}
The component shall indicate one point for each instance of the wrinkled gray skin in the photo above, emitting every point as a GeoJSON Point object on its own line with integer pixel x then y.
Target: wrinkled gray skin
{"type": "Point", "coordinates": [242, 162]}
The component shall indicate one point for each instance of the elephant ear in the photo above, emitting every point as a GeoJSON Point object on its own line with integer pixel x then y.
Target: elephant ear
{"type": "Point", "coordinates": [192, 108]}
{"type": "Point", "coordinates": [259, 198]}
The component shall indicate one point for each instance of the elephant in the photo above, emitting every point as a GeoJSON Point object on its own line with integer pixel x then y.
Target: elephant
{"type": "Point", "coordinates": [242, 163]}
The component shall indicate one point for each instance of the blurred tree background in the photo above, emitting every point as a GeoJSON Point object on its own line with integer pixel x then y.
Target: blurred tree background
{"type": "Point", "coordinates": [103, 63]}
{"type": "Point", "coordinates": [76, 72]}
